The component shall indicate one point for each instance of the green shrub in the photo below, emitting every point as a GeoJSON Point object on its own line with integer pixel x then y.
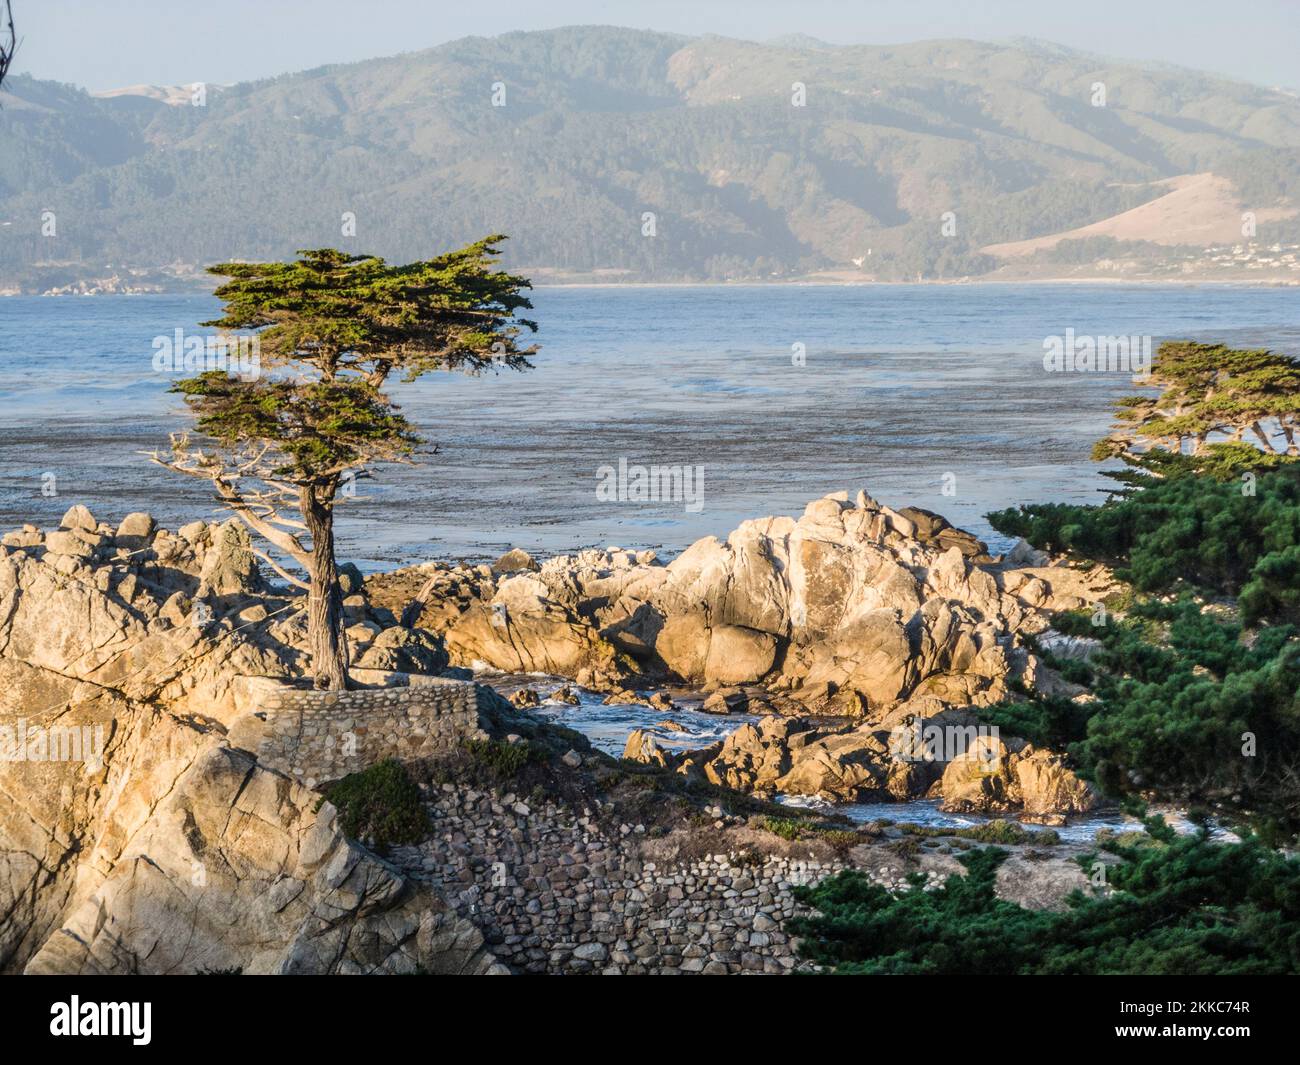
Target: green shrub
{"type": "Point", "coordinates": [1274, 586]}
{"type": "Point", "coordinates": [840, 839]}
{"type": "Point", "coordinates": [1005, 832]}
{"type": "Point", "coordinates": [503, 760]}
{"type": "Point", "coordinates": [1188, 906]}
{"type": "Point", "coordinates": [1186, 530]}
{"type": "Point", "coordinates": [380, 805]}
{"type": "Point", "coordinates": [784, 827]}
{"type": "Point", "coordinates": [1053, 722]}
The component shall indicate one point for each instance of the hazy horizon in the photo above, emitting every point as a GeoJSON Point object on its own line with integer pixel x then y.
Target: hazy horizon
{"type": "Point", "coordinates": [154, 42]}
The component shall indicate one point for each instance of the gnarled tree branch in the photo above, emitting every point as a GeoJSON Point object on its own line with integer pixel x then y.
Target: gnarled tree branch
{"type": "Point", "coordinates": [8, 40]}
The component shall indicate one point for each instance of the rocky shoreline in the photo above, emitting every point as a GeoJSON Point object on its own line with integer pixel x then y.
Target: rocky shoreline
{"type": "Point", "coordinates": [874, 628]}
{"type": "Point", "coordinates": [169, 847]}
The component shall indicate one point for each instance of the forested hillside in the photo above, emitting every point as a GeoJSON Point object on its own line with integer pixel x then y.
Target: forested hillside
{"type": "Point", "coordinates": [589, 128]}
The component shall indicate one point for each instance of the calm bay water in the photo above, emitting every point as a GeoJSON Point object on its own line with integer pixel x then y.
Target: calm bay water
{"type": "Point", "coordinates": [902, 385]}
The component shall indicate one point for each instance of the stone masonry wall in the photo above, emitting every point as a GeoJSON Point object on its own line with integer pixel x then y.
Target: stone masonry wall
{"type": "Point", "coordinates": [551, 889]}
{"type": "Point", "coordinates": [318, 736]}
{"type": "Point", "coordinates": [554, 892]}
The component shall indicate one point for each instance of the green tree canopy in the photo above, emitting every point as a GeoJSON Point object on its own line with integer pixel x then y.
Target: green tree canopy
{"type": "Point", "coordinates": [332, 329]}
{"type": "Point", "coordinates": [1211, 396]}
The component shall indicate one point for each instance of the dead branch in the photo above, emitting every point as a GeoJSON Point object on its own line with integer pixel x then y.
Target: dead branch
{"type": "Point", "coordinates": [10, 46]}
{"type": "Point", "coordinates": [295, 581]}
{"type": "Point", "coordinates": [257, 510]}
{"type": "Point", "coordinates": [411, 615]}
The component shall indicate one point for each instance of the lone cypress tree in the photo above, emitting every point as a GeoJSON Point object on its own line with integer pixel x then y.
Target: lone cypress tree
{"type": "Point", "coordinates": [333, 328]}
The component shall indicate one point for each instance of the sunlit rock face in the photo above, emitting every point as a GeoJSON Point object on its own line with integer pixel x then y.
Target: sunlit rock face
{"type": "Point", "coordinates": [853, 601]}
{"type": "Point", "coordinates": [133, 837]}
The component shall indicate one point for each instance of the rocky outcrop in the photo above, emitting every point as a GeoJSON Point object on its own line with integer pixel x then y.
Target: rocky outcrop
{"type": "Point", "coordinates": [159, 848]}
{"type": "Point", "coordinates": [235, 868]}
{"type": "Point", "coordinates": [923, 749]}
{"type": "Point", "coordinates": [996, 777]}
{"type": "Point", "coordinates": [642, 747]}
{"type": "Point", "coordinates": [523, 630]}
{"type": "Point", "coordinates": [140, 621]}
{"type": "Point", "coordinates": [133, 836]}
{"type": "Point", "coordinates": [794, 756]}
{"type": "Point", "coordinates": [514, 561]}
{"type": "Point", "coordinates": [852, 603]}
{"type": "Point", "coordinates": [402, 650]}
{"type": "Point", "coordinates": [171, 618]}
{"type": "Point", "coordinates": [854, 610]}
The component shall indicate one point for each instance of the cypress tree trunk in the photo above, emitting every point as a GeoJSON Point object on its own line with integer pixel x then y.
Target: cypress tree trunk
{"type": "Point", "coordinates": [329, 650]}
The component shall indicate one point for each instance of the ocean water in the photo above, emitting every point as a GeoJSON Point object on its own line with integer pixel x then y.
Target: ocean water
{"type": "Point", "coordinates": [928, 395]}
{"type": "Point", "coordinates": [685, 727]}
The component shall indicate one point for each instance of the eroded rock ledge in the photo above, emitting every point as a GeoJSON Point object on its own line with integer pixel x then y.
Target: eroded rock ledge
{"type": "Point", "coordinates": [134, 837]}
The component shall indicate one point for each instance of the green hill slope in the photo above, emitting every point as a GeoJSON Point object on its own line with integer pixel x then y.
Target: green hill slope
{"type": "Point", "coordinates": [602, 125]}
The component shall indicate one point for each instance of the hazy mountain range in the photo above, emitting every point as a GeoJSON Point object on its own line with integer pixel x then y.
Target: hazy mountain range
{"type": "Point", "coordinates": [569, 139]}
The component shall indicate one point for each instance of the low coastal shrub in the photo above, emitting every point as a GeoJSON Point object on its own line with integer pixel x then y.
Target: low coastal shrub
{"type": "Point", "coordinates": [1187, 906]}
{"type": "Point", "coordinates": [1009, 833]}
{"type": "Point", "coordinates": [1186, 530]}
{"type": "Point", "coordinates": [841, 840]}
{"type": "Point", "coordinates": [503, 760]}
{"type": "Point", "coordinates": [792, 830]}
{"type": "Point", "coordinates": [784, 827]}
{"type": "Point", "coordinates": [380, 806]}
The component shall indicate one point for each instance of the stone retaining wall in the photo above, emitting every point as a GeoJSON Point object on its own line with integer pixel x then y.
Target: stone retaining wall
{"type": "Point", "coordinates": [554, 892]}
{"type": "Point", "coordinates": [318, 736]}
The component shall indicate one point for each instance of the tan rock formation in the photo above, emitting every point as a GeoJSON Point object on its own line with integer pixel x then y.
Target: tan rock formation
{"type": "Point", "coordinates": [235, 868]}
{"type": "Point", "coordinates": [523, 629]}
{"type": "Point", "coordinates": [642, 747]}
{"type": "Point", "coordinates": [991, 778]}
{"type": "Point", "coordinates": [852, 602]}
{"type": "Point", "coordinates": [133, 838]}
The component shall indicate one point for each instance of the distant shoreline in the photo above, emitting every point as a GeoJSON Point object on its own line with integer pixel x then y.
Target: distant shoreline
{"type": "Point", "coordinates": [1110, 282]}
{"type": "Point", "coordinates": [963, 282]}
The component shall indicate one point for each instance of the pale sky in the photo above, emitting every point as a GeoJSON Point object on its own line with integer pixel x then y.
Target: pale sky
{"type": "Point", "coordinates": [102, 45]}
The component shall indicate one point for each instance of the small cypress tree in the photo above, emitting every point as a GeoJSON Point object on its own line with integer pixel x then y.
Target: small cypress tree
{"type": "Point", "coordinates": [1211, 397]}
{"type": "Point", "coordinates": [333, 328]}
